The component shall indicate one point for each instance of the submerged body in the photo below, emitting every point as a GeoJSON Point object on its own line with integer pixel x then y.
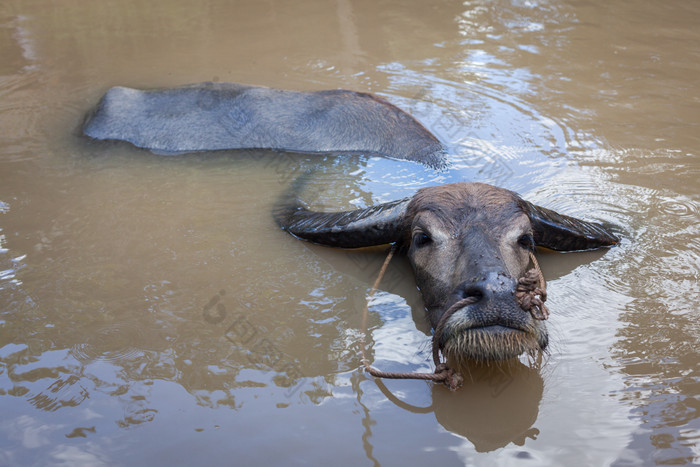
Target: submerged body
{"type": "Point", "coordinates": [216, 116]}
{"type": "Point", "coordinates": [464, 240]}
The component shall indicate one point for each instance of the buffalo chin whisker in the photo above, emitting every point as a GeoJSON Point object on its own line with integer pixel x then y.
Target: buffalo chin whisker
{"type": "Point", "coordinates": [481, 346]}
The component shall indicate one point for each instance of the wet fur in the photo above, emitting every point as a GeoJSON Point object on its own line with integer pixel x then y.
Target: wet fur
{"type": "Point", "coordinates": [465, 346]}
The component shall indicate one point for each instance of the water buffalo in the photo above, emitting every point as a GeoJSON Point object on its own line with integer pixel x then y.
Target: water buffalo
{"type": "Point", "coordinates": [463, 240]}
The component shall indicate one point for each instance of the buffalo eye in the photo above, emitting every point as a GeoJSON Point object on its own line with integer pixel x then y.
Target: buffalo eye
{"type": "Point", "coordinates": [527, 241]}
{"type": "Point", "coordinates": [421, 239]}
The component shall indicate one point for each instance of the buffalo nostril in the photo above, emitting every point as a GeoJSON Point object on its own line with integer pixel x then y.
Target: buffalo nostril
{"type": "Point", "coordinates": [473, 291]}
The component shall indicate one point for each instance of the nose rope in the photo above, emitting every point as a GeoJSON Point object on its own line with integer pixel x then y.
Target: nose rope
{"type": "Point", "coordinates": [529, 288]}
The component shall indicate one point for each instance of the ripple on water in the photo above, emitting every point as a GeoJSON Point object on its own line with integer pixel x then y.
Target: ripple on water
{"type": "Point", "coordinates": [658, 259]}
{"type": "Point", "coordinates": [9, 266]}
{"type": "Point", "coordinates": [492, 135]}
{"type": "Point", "coordinates": [679, 207]}
{"type": "Point", "coordinates": [20, 109]}
{"type": "Point", "coordinates": [115, 342]}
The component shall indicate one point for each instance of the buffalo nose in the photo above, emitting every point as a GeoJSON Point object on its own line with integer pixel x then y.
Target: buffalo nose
{"type": "Point", "coordinates": [492, 286]}
{"type": "Point", "coordinates": [472, 290]}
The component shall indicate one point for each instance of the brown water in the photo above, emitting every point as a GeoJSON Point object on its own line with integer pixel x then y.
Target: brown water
{"type": "Point", "coordinates": [152, 313]}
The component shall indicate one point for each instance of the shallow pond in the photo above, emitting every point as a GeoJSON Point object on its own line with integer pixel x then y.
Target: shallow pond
{"type": "Point", "coordinates": [151, 312]}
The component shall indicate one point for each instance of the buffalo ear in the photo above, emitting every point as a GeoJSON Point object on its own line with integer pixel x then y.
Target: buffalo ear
{"type": "Point", "coordinates": [563, 233]}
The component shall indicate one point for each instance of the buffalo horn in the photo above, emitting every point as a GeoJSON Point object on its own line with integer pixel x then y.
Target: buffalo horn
{"type": "Point", "coordinates": [563, 233]}
{"type": "Point", "coordinates": [375, 225]}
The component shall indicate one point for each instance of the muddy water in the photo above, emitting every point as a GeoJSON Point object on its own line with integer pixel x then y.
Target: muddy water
{"type": "Point", "coordinates": [151, 312]}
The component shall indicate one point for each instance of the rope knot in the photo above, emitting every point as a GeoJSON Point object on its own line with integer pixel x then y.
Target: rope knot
{"type": "Point", "coordinates": [531, 292]}
{"type": "Point", "coordinates": [449, 376]}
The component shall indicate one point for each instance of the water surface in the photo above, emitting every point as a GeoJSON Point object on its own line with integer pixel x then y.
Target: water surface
{"type": "Point", "coordinates": [151, 312]}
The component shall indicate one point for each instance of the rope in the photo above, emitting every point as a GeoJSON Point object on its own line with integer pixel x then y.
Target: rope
{"type": "Point", "coordinates": [530, 293]}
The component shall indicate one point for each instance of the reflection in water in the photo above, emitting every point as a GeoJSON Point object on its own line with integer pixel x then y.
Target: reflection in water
{"type": "Point", "coordinates": [498, 405]}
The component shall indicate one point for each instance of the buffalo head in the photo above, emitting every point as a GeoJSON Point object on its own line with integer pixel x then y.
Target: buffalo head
{"type": "Point", "coordinates": [462, 240]}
